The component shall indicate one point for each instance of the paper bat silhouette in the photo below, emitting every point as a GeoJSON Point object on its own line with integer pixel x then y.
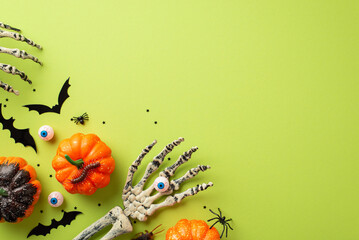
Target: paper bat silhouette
{"type": "Point", "coordinates": [22, 136]}
{"type": "Point", "coordinates": [66, 219]}
{"type": "Point", "coordinates": [63, 95]}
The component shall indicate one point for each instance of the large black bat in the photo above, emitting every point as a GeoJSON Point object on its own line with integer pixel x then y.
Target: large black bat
{"type": "Point", "coordinates": [63, 95]}
{"type": "Point", "coordinates": [22, 136]}
{"type": "Point", "coordinates": [43, 230]}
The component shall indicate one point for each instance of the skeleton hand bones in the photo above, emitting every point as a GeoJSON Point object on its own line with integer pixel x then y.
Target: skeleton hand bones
{"type": "Point", "coordinates": [17, 53]}
{"type": "Point", "coordinates": [138, 203]}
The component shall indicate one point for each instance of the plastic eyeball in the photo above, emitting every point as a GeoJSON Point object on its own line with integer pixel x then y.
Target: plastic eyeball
{"type": "Point", "coordinates": [161, 184]}
{"type": "Point", "coordinates": [55, 199]}
{"type": "Point", "coordinates": [46, 133]}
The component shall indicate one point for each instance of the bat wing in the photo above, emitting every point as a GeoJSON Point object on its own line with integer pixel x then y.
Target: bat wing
{"type": "Point", "coordinates": [22, 136]}
{"type": "Point", "coordinates": [63, 95]}
{"type": "Point", "coordinates": [66, 219]}
{"type": "Point", "coordinates": [39, 230]}
{"type": "Point", "coordinates": [40, 108]}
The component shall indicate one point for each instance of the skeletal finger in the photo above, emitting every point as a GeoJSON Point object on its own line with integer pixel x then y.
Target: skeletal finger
{"type": "Point", "coordinates": [8, 88]}
{"type": "Point", "coordinates": [14, 71]}
{"type": "Point", "coordinates": [133, 168]}
{"type": "Point", "coordinates": [158, 160]}
{"type": "Point", "coordinates": [19, 54]}
{"type": "Point", "coordinates": [175, 184]}
{"type": "Point", "coordinates": [176, 198]}
{"type": "Point", "coordinates": [3, 25]}
{"type": "Point", "coordinates": [18, 37]}
{"type": "Point", "coordinates": [170, 171]}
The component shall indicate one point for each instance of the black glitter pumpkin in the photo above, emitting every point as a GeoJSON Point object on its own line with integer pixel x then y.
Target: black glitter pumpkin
{"type": "Point", "coordinates": [19, 189]}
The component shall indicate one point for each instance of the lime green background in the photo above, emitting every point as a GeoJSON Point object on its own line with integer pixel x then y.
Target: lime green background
{"type": "Point", "coordinates": [268, 91]}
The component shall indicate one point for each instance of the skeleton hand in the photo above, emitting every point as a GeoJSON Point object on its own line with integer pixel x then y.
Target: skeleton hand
{"type": "Point", "coordinates": [17, 53]}
{"type": "Point", "coordinates": [138, 202]}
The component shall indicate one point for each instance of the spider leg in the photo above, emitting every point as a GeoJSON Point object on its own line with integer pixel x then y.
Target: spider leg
{"type": "Point", "coordinates": [220, 213]}
{"type": "Point", "coordinates": [175, 184]}
{"type": "Point", "coordinates": [214, 213]}
{"type": "Point", "coordinates": [156, 228]}
{"type": "Point", "coordinates": [14, 71]}
{"type": "Point", "coordinates": [158, 232]}
{"type": "Point", "coordinates": [75, 120]}
{"type": "Point", "coordinates": [226, 231]}
{"type": "Point", "coordinates": [8, 88]}
{"type": "Point", "coordinates": [3, 25]}
{"type": "Point", "coordinates": [222, 231]}
{"type": "Point", "coordinates": [212, 219]}
{"type": "Point", "coordinates": [19, 54]}
{"type": "Point", "coordinates": [176, 198]}
{"type": "Point", "coordinates": [133, 168]}
{"type": "Point", "coordinates": [213, 224]}
{"type": "Point", "coordinates": [18, 37]}
{"type": "Point", "coordinates": [170, 171]}
{"type": "Point", "coordinates": [157, 161]}
{"type": "Point", "coordinates": [229, 226]}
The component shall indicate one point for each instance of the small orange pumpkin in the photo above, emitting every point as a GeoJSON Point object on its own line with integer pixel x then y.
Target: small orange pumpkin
{"type": "Point", "coordinates": [19, 189]}
{"type": "Point", "coordinates": [83, 163]}
{"type": "Point", "coordinates": [192, 230]}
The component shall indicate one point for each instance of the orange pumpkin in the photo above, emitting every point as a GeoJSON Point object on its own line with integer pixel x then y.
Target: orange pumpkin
{"type": "Point", "coordinates": [19, 189]}
{"type": "Point", "coordinates": [192, 230]}
{"type": "Point", "coordinates": [83, 163]}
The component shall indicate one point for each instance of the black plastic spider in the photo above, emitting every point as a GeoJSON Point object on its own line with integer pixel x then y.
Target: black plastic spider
{"type": "Point", "coordinates": [81, 119]}
{"type": "Point", "coordinates": [221, 220]}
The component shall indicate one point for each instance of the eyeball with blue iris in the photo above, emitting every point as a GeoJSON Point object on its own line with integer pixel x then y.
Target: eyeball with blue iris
{"type": "Point", "coordinates": [161, 184]}
{"type": "Point", "coordinates": [46, 133]}
{"type": "Point", "coordinates": [55, 199]}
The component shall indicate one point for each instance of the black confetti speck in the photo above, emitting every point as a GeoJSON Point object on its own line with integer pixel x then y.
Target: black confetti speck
{"type": "Point", "coordinates": [147, 110]}
{"type": "Point", "coordinates": [155, 122]}
{"type": "Point", "coordinates": [103, 122]}
{"type": "Point", "coordinates": [99, 204]}
{"type": "Point", "coordinates": [75, 208]}
{"type": "Point", "coordinates": [204, 207]}
{"type": "Point", "coordinates": [38, 165]}
{"type": "Point", "coordinates": [41, 211]}
{"type": "Point", "coordinates": [34, 90]}
{"type": "Point", "coordinates": [50, 175]}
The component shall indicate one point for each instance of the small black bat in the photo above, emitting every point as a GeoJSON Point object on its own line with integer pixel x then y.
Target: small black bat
{"type": "Point", "coordinates": [22, 136]}
{"type": "Point", "coordinates": [43, 230]}
{"type": "Point", "coordinates": [63, 95]}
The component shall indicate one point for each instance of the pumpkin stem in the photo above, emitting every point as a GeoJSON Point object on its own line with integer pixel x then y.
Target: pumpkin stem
{"type": "Point", "coordinates": [3, 192]}
{"type": "Point", "coordinates": [78, 163]}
